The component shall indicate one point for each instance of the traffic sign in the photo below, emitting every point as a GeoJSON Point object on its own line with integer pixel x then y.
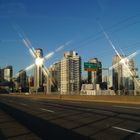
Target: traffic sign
{"type": "Point", "coordinates": [88, 66]}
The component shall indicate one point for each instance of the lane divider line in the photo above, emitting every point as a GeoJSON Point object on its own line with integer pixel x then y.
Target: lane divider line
{"type": "Point", "coordinates": [47, 110]}
{"type": "Point", "coordinates": [126, 130]}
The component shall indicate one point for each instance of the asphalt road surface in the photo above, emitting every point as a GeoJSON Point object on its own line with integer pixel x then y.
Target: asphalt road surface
{"type": "Point", "coordinates": [72, 120]}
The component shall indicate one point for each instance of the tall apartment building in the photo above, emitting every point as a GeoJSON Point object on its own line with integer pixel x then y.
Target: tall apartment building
{"type": "Point", "coordinates": [117, 73]}
{"type": "Point", "coordinates": [123, 73]}
{"type": "Point", "coordinates": [137, 87]}
{"type": "Point", "coordinates": [38, 75]}
{"type": "Point", "coordinates": [55, 76]}
{"type": "Point", "coordinates": [22, 80]}
{"type": "Point", "coordinates": [95, 77]}
{"type": "Point", "coordinates": [1, 75]}
{"type": "Point", "coordinates": [8, 73]}
{"type": "Point", "coordinates": [70, 73]}
{"type": "Point", "coordinates": [129, 74]}
{"type": "Point", "coordinates": [6, 79]}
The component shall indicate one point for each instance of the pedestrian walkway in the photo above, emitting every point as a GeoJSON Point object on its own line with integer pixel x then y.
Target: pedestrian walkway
{"type": "Point", "coordinates": [10, 129]}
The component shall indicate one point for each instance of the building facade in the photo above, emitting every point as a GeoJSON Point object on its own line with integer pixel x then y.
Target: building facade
{"type": "Point", "coordinates": [117, 73]}
{"type": "Point", "coordinates": [38, 75]}
{"type": "Point", "coordinates": [23, 81]}
{"type": "Point", "coordinates": [95, 77]}
{"type": "Point", "coordinates": [8, 73]}
{"type": "Point", "coordinates": [55, 76]}
{"type": "Point", "coordinates": [6, 79]}
{"type": "Point", "coordinates": [70, 73]}
{"type": "Point", "coordinates": [124, 73]}
{"type": "Point", "coordinates": [1, 75]}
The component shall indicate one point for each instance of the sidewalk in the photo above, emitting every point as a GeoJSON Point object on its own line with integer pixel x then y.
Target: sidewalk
{"type": "Point", "coordinates": [10, 129]}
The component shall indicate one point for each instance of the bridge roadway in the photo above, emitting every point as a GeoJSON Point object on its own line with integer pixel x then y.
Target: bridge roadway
{"type": "Point", "coordinates": [72, 120]}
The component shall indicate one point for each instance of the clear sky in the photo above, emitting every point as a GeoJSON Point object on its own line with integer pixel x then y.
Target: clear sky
{"type": "Point", "coordinates": [49, 24]}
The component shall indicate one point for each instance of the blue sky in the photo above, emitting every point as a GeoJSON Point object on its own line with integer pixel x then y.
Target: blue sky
{"type": "Point", "coordinates": [49, 24]}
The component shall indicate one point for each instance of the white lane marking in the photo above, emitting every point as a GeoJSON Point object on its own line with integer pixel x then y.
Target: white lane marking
{"type": "Point", "coordinates": [51, 111]}
{"type": "Point", "coordinates": [128, 107]}
{"type": "Point", "coordinates": [127, 130]}
{"type": "Point", "coordinates": [72, 102]}
{"type": "Point", "coordinates": [23, 104]}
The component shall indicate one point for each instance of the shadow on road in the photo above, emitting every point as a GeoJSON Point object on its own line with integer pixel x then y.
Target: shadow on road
{"type": "Point", "coordinates": [43, 128]}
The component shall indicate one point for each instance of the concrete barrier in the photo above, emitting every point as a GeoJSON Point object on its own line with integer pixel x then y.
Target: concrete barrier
{"type": "Point", "coordinates": [103, 98]}
{"type": "Point", "coordinates": [99, 98]}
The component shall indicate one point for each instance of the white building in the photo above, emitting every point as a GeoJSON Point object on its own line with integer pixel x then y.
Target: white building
{"type": "Point", "coordinates": [8, 73]}
{"type": "Point", "coordinates": [124, 73]}
{"type": "Point", "coordinates": [70, 73]}
{"type": "Point", "coordinates": [38, 75]}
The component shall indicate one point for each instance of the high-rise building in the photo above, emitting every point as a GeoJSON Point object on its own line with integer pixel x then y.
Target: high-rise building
{"type": "Point", "coordinates": [55, 76]}
{"type": "Point", "coordinates": [22, 80]}
{"type": "Point", "coordinates": [31, 81]}
{"type": "Point", "coordinates": [137, 87]}
{"type": "Point", "coordinates": [8, 73]}
{"type": "Point", "coordinates": [70, 73]}
{"type": "Point", "coordinates": [1, 75]}
{"type": "Point", "coordinates": [117, 73]}
{"type": "Point", "coordinates": [6, 79]}
{"type": "Point", "coordinates": [123, 73]}
{"type": "Point", "coordinates": [95, 77]}
{"type": "Point", "coordinates": [38, 75]}
{"type": "Point", "coordinates": [129, 74]}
